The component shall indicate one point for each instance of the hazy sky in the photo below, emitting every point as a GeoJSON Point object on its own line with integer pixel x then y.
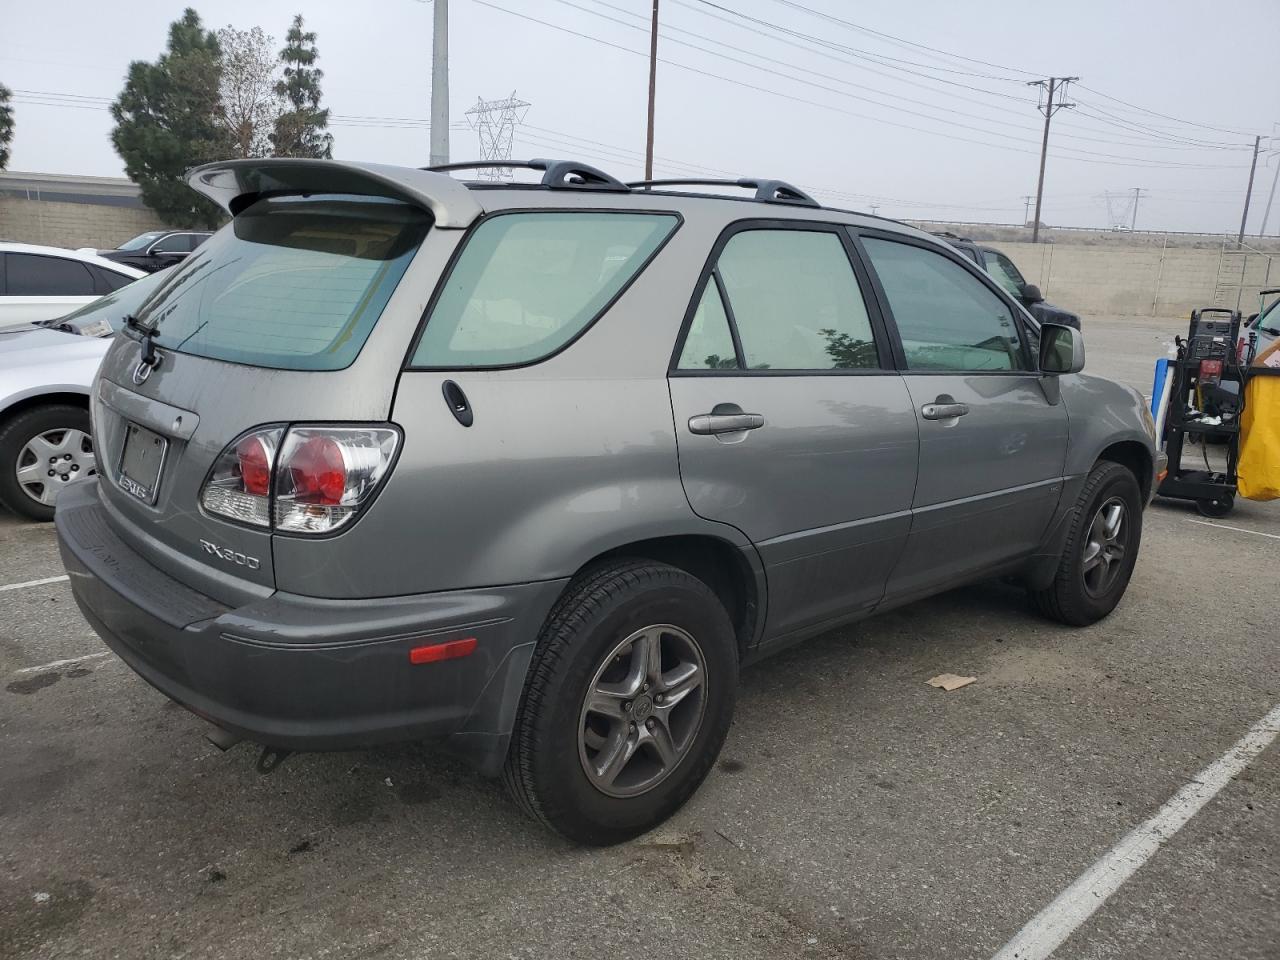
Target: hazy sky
{"type": "Point", "coordinates": [775, 90]}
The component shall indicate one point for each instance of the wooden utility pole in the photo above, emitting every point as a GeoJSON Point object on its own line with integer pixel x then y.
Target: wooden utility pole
{"type": "Point", "coordinates": [1052, 85]}
{"type": "Point", "coordinates": [1248, 191]}
{"type": "Point", "coordinates": [653, 88]}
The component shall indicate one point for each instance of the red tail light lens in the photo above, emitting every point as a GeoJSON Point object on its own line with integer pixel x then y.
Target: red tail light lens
{"type": "Point", "coordinates": [255, 464]}
{"type": "Point", "coordinates": [317, 471]}
{"type": "Point", "coordinates": [317, 477]}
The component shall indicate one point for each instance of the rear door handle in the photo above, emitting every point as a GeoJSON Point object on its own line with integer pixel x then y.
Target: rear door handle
{"type": "Point", "coordinates": [712, 424]}
{"type": "Point", "coordinates": [944, 411]}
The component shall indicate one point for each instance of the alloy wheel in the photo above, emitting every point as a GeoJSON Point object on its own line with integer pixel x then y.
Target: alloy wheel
{"type": "Point", "coordinates": [642, 710]}
{"type": "Point", "coordinates": [1105, 547]}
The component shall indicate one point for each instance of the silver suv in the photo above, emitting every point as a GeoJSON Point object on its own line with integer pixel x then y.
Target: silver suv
{"type": "Point", "coordinates": [534, 469]}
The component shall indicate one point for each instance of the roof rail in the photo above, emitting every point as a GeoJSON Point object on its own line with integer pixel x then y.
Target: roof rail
{"type": "Point", "coordinates": [557, 174]}
{"type": "Point", "coordinates": [770, 191]}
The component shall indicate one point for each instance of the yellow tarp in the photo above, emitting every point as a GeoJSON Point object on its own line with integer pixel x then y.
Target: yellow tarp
{"type": "Point", "coordinates": [1259, 467]}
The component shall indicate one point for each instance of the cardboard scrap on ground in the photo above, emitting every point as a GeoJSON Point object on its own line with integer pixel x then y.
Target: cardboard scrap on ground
{"type": "Point", "coordinates": [950, 681]}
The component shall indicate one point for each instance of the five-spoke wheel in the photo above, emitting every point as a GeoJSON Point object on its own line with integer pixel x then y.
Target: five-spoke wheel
{"type": "Point", "coordinates": [642, 710]}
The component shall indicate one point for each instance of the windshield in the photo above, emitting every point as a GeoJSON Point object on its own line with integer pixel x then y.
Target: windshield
{"type": "Point", "coordinates": [1004, 273]}
{"type": "Point", "coordinates": [105, 316]}
{"type": "Point", "coordinates": [142, 240]}
{"type": "Point", "coordinates": [292, 283]}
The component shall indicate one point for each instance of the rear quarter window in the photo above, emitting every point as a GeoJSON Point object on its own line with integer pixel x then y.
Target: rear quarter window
{"type": "Point", "coordinates": [528, 283]}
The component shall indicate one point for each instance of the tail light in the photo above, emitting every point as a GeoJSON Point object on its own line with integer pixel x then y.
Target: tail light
{"type": "Point", "coordinates": [239, 486]}
{"type": "Point", "coordinates": [326, 473]}
{"type": "Point", "coordinates": [303, 480]}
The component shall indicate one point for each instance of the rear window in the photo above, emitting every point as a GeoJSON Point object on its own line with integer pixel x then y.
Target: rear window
{"type": "Point", "coordinates": [292, 283]}
{"type": "Point", "coordinates": [528, 283]}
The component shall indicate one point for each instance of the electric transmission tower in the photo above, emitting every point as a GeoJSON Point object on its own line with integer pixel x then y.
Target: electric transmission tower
{"type": "Point", "coordinates": [1119, 206]}
{"type": "Point", "coordinates": [1122, 208]}
{"type": "Point", "coordinates": [494, 122]}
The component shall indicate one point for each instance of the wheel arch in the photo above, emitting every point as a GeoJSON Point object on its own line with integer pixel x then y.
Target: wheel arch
{"type": "Point", "coordinates": [733, 573]}
{"type": "Point", "coordinates": [1135, 456]}
{"type": "Point", "coordinates": [49, 398]}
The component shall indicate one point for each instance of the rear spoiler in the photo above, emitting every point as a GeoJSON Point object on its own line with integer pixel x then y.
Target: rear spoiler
{"type": "Point", "coordinates": [234, 184]}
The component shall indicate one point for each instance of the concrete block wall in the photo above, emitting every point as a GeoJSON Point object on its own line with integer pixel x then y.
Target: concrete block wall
{"type": "Point", "coordinates": [1143, 280]}
{"type": "Point", "coordinates": [72, 225]}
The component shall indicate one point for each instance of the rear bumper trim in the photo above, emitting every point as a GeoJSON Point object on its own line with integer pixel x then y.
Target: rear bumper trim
{"type": "Point", "coordinates": [300, 672]}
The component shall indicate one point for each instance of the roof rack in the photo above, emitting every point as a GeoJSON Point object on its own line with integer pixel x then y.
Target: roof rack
{"type": "Point", "coordinates": [557, 174]}
{"type": "Point", "coordinates": [769, 191]}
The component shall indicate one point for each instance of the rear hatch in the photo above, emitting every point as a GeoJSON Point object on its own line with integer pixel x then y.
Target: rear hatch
{"type": "Point", "coordinates": [300, 310]}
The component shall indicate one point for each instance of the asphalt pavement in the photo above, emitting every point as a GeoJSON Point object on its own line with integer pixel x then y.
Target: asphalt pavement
{"type": "Point", "coordinates": [856, 811]}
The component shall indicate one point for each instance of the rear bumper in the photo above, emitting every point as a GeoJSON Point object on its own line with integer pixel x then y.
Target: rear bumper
{"type": "Point", "coordinates": [304, 673]}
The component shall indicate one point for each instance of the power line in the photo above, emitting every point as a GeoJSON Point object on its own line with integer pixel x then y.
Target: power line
{"type": "Point", "coordinates": [1163, 116]}
{"type": "Point", "coordinates": [901, 40]}
{"type": "Point", "coordinates": [1109, 159]}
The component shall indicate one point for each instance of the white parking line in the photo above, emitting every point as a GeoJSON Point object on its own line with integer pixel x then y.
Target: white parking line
{"type": "Point", "coordinates": [59, 664]}
{"type": "Point", "coordinates": [1223, 526]}
{"type": "Point", "coordinates": [33, 583]}
{"type": "Point", "coordinates": [1052, 925]}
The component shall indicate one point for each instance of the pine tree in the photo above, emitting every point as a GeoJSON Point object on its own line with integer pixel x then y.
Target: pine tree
{"type": "Point", "coordinates": [301, 127]}
{"type": "Point", "coordinates": [6, 126]}
{"type": "Point", "coordinates": [167, 121]}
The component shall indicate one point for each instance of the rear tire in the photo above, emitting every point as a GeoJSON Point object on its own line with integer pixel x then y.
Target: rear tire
{"type": "Point", "coordinates": [1101, 549]}
{"type": "Point", "coordinates": [586, 702]}
{"type": "Point", "coordinates": [41, 449]}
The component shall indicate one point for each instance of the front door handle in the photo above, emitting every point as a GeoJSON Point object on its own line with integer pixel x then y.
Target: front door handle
{"type": "Point", "coordinates": [717, 422]}
{"type": "Point", "coordinates": [944, 408]}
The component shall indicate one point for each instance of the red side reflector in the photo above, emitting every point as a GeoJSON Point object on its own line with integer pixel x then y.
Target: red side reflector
{"type": "Point", "coordinates": [443, 651]}
{"type": "Point", "coordinates": [1161, 475]}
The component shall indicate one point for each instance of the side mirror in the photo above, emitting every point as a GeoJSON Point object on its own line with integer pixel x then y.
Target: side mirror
{"type": "Point", "coordinates": [1061, 349]}
{"type": "Point", "coordinates": [1031, 293]}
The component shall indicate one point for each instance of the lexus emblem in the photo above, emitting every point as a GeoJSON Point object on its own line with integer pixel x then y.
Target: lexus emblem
{"type": "Point", "coordinates": [144, 368]}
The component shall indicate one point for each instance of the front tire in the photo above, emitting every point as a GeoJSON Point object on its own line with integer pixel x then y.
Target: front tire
{"type": "Point", "coordinates": [627, 704]}
{"type": "Point", "coordinates": [41, 450]}
{"type": "Point", "coordinates": [1101, 550]}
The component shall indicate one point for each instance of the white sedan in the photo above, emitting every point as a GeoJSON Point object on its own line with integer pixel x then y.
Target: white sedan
{"type": "Point", "coordinates": [41, 283]}
{"type": "Point", "coordinates": [46, 372]}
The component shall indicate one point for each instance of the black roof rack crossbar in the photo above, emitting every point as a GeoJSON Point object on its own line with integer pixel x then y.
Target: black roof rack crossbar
{"type": "Point", "coordinates": [557, 174]}
{"type": "Point", "coordinates": [770, 191]}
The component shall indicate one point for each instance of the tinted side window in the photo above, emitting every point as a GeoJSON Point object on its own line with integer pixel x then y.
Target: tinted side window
{"type": "Point", "coordinates": [34, 275]}
{"type": "Point", "coordinates": [796, 302]}
{"type": "Point", "coordinates": [947, 318]}
{"type": "Point", "coordinates": [528, 283]}
{"type": "Point", "coordinates": [709, 345]}
{"type": "Point", "coordinates": [107, 280]}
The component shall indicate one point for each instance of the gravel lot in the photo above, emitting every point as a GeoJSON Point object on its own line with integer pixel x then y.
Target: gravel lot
{"type": "Point", "coordinates": [856, 812]}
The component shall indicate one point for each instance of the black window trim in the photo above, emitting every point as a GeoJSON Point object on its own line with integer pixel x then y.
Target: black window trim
{"type": "Point", "coordinates": [1016, 310]}
{"type": "Point", "coordinates": [408, 366]}
{"type": "Point", "coordinates": [879, 330]}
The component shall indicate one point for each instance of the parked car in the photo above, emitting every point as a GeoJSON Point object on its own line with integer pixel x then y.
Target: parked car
{"type": "Point", "coordinates": [42, 283]}
{"type": "Point", "coordinates": [1006, 273]}
{"type": "Point", "coordinates": [636, 439]}
{"type": "Point", "coordinates": [45, 375]}
{"type": "Point", "coordinates": [1264, 326]}
{"type": "Point", "coordinates": [157, 249]}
